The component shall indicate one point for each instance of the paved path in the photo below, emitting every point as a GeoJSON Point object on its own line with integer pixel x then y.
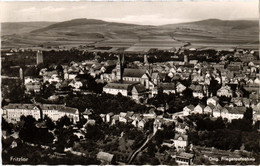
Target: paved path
{"type": "Point", "coordinates": [141, 148]}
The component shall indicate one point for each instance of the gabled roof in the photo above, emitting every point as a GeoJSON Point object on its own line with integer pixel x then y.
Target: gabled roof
{"type": "Point", "coordinates": [20, 106]}
{"type": "Point", "coordinates": [167, 86]}
{"type": "Point", "coordinates": [185, 155]}
{"type": "Point", "coordinates": [139, 88]}
{"type": "Point", "coordinates": [236, 110]}
{"type": "Point", "coordinates": [211, 106]}
{"type": "Point", "coordinates": [133, 72]}
{"type": "Point", "coordinates": [191, 107]}
{"type": "Point", "coordinates": [154, 75]}
{"type": "Point", "coordinates": [114, 85]}
{"type": "Point", "coordinates": [201, 105]}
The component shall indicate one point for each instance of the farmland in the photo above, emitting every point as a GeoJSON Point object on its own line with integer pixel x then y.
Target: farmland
{"type": "Point", "coordinates": [97, 35]}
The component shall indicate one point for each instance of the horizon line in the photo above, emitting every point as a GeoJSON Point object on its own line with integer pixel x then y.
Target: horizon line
{"type": "Point", "coordinates": [243, 19]}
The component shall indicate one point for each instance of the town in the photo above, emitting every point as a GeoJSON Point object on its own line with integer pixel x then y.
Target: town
{"type": "Point", "coordinates": [182, 106]}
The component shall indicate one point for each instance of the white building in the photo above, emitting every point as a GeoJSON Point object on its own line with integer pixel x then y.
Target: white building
{"type": "Point", "coordinates": [115, 88]}
{"type": "Point", "coordinates": [15, 111]}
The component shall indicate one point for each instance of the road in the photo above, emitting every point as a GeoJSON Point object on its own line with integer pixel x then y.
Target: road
{"type": "Point", "coordinates": [141, 148]}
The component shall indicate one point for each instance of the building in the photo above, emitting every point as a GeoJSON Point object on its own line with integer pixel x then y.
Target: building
{"type": "Point", "coordinates": [180, 141]}
{"type": "Point", "coordinates": [53, 111]}
{"type": "Point", "coordinates": [106, 158]}
{"type": "Point", "coordinates": [181, 128]}
{"type": "Point", "coordinates": [184, 158]}
{"type": "Point", "coordinates": [213, 100]}
{"type": "Point", "coordinates": [225, 91]}
{"type": "Point", "coordinates": [187, 110]}
{"type": "Point", "coordinates": [116, 87]}
{"type": "Point", "coordinates": [138, 92]}
{"type": "Point", "coordinates": [33, 86]}
{"type": "Point", "coordinates": [234, 113]}
{"type": "Point", "coordinates": [136, 75]}
{"type": "Point", "coordinates": [199, 109]}
{"type": "Point", "coordinates": [167, 88]}
{"type": "Point", "coordinates": [209, 109]}
{"type": "Point", "coordinates": [256, 116]}
{"type": "Point", "coordinates": [39, 57]}
{"type": "Point", "coordinates": [180, 87]}
{"type": "Point", "coordinates": [21, 75]}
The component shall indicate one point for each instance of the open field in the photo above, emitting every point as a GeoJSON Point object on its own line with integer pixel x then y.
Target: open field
{"type": "Point", "coordinates": [96, 33]}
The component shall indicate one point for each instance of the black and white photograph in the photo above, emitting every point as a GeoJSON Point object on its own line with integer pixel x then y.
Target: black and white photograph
{"type": "Point", "coordinates": [130, 82]}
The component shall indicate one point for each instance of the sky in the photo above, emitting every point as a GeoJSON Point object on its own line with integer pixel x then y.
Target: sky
{"type": "Point", "coordinates": [140, 12]}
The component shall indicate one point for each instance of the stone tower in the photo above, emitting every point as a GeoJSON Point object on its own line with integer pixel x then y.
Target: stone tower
{"type": "Point", "coordinates": [118, 68]}
{"type": "Point", "coordinates": [21, 75]}
{"type": "Point", "coordinates": [39, 57]}
{"type": "Point", "coordinates": [146, 60]}
{"type": "Point", "coordinates": [186, 59]}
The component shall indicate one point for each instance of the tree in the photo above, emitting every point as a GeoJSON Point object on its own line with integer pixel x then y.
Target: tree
{"type": "Point", "coordinates": [63, 121]}
{"type": "Point", "coordinates": [49, 123]}
{"type": "Point", "coordinates": [6, 126]}
{"type": "Point", "coordinates": [240, 124]}
{"type": "Point", "coordinates": [27, 133]}
{"type": "Point", "coordinates": [248, 114]}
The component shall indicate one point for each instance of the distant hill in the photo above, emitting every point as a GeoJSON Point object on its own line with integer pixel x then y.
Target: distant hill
{"type": "Point", "coordinates": [97, 34]}
{"type": "Point", "coordinates": [83, 22]}
{"type": "Point", "coordinates": [216, 23]}
{"type": "Point", "coordinates": [9, 28]}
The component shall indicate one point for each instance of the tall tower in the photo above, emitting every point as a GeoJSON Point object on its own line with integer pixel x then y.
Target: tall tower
{"type": "Point", "coordinates": [21, 75]}
{"type": "Point", "coordinates": [146, 60]}
{"type": "Point", "coordinates": [118, 68]}
{"type": "Point", "coordinates": [39, 57]}
{"type": "Point", "coordinates": [185, 58]}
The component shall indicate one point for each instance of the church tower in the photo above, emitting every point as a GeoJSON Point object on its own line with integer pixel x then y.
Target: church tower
{"type": "Point", "coordinates": [39, 57]}
{"type": "Point", "coordinates": [146, 60]}
{"type": "Point", "coordinates": [21, 75]}
{"type": "Point", "coordinates": [186, 59]}
{"type": "Point", "coordinates": [118, 68]}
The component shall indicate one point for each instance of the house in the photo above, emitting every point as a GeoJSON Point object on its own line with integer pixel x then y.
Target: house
{"type": "Point", "coordinates": [225, 91]}
{"type": "Point", "coordinates": [76, 84]}
{"type": "Point", "coordinates": [108, 117]}
{"type": "Point", "coordinates": [187, 110]}
{"type": "Point", "coordinates": [138, 92]}
{"type": "Point", "coordinates": [167, 88]}
{"type": "Point", "coordinates": [106, 158]}
{"type": "Point", "coordinates": [233, 113]}
{"type": "Point", "coordinates": [180, 87]}
{"type": "Point", "coordinates": [256, 116]}
{"type": "Point", "coordinates": [199, 109]}
{"type": "Point", "coordinates": [197, 91]}
{"type": "Point", "coordinates": [115, 119]}
{"type": "Point", "coordinates": [238, 101]}
{"type": "Point", "coordinates": [91, 122]}
{"type": "Point", "coordinates": [141, 123]}
{"type": "Point", "coordinates": [33, 86]}
{"type": "Point", "coordinates": [209, 109]}
{"type": "Point", "coordinates": [87, 113]}
{"type": "Point", "coordinates": [246, 102]}
{"type": "Point", "coordinates": [155, 78]}
{"type": "Point", "coordinates": [122, 117]}
{"type": "Point", "coordinates": [181, 128]}
{"type": "Point", "coordinates": [180, 141]}
{"type": "Point", "coordinates": [217, 111]}
{"type": "Point", "coordinates": [184, 158]}
{"type": "Point", "coordinates": [212, 100]}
